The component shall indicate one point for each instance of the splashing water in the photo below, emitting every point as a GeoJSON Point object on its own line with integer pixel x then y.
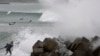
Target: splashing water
{"type": "Point", "coordinates": [74, 17]}
{"type": "Point", "coordinates": [27, 38]}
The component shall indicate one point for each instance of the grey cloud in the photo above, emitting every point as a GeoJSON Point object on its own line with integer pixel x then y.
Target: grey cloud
{"type": "Point", "coordinates": [8, 1]}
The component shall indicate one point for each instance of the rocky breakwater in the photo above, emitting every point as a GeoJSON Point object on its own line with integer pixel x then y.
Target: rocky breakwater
{"type": "Point", "coordinates": [45, 48]}
{"type": "Point", "coordinates": [49, 47]}
{"type": "Point", "coordinates": [57, 47]}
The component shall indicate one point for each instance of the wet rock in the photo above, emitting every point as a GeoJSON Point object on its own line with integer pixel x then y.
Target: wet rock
{"type": "Point", "coordinates": [45, 54]}
{"type": "Point", "coordinates": [49, 44]}
{"type": "Point", "coordinates": [46, 48]}
{"type": "Point", "coordinates": [79, 43]}
{"type": "Point", "coordinates": [74, 44]}
{"type": "Point", "coordinates": [67, 43]}
{"type": "Point", "coordinates": [57, 47]}
{"type": "Point", "coordinates": [80, 47]}
{"type": "Point", "coordinates": [54, 53]}
{"type": "Point", "coordinates": [38, 44]}
{"type": "Point", "coordinates": [82, 53]}
{"type": "Point", "coordinates": [31, 54]}
{"type": "Point", "coordinates": [61, 49]}
{"type": "Point", "coordinates": [37, 48]}
{"type": "Point", "coordinates": [96, 52]}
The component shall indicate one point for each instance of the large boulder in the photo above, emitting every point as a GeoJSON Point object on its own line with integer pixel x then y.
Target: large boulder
{"type": "Point", "coordinates": [45, 54]}
{"type": "Point", "coordinates": [46, 48]}
{"type": "Point", "coordinates": [84, 44]}
{"type": "Point", "coordinates": [96, 52]}
{"type": "Point", "coordinates": [49, 44]}
{"type": "Point", "coordinates": [82, 50]}
{"type": "Point", "coordinates": [37, 48]}
{"type": "Point", "coordinates": [79, 43]}
{"type": "Point", "coordinates": [38, 44]}
{"type": "Point", "coordinates": [81, 47]}
{"type": "Point", "coordinates": [50, 54]}
{"type": "Point", "coordinates": [74, 44]}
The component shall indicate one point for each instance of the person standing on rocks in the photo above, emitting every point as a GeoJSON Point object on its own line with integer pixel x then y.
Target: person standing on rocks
{"type": "Point", "coordinates": [8, 48]}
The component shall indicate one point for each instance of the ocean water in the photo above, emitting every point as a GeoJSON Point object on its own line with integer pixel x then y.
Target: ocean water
{"type": "Point", "coordinates": [23, 33]}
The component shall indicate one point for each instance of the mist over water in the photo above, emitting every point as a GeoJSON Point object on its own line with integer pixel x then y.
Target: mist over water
{"type": "Point", "coordinates": [74, 17]}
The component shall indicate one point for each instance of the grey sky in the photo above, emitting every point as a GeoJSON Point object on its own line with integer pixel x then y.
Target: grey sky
{"type": "Point", "coordinates": [23, 1]}
{"type": "Point", "coordinates": [21, 7]}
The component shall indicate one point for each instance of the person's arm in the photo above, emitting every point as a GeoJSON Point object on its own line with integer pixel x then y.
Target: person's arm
{"type": "Point", "coordinates": [6, 46]}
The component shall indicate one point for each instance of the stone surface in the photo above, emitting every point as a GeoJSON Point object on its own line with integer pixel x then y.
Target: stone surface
{"type": "Point", "coordinates": [37, 48]}
{"type": "Point", "coordinates": [57, 47]}
{"type": "Point", "coordinates": [45, 48]}
{"type": "Point", "coordinates": [49, 44]}
{"type": "Point", "coordinates": [38, 44]}
{"type": "Point", "coordinates": [96, 52]}
{"type": "Point", "coordinates": [79, 43]}
{"type": "Point", "coordinates": [81, 47]}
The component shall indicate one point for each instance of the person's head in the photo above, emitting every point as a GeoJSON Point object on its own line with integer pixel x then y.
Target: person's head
{"type": "Point", "coordinates": [11, 42]}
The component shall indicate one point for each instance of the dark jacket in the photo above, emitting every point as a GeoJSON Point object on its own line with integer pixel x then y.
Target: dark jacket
{"type": "Point", "coordinates": [8, 46]}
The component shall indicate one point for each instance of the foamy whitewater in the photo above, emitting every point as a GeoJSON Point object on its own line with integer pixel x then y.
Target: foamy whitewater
{"type": "Point", "coordinates": [74, 18]}
{"type": "Point", "coordinates": [27, 40]}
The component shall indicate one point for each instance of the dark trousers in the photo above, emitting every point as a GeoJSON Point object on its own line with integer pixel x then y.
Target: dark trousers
{"type": "Point", "coordinates": [8, 50]}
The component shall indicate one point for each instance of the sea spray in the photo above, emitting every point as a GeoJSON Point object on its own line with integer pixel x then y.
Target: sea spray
{"type": "Point", "coordinates": [75, 17]}
{"type": "Point", "coordinates": [27, 39]}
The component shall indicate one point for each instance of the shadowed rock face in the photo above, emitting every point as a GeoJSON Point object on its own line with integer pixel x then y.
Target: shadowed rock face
{"type": "Point", "coordinates": [45, 48]}
{"type": "Point", "coordinates": [38, 44]}
{"type": "Point", "coordinates": [80, 47]}
{"type": "Point", "coordinates": [82, 53]}
{"type": "Point", "coordinates": [96, 52]}
{"type": "Point", "coordinates": [79, 43]}
{"type": "Point", "coordinates": [37, 48]}
{"type": "Point", "coordinates": [49, 44]}
{"type": "Point", "coordinates": [53, 47]}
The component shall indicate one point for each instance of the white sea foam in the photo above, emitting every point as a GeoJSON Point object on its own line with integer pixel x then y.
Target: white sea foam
{"type": "Point", "coordinates": [27, 39]}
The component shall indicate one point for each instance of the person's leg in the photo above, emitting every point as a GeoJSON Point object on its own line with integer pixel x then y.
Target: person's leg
{"type": "Point", "coordinates": [6, 52]}
{"type": "Point", "coordinates": [10, 52]}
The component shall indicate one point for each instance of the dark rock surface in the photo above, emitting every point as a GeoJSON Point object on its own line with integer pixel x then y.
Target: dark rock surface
{"type": "Point", "coordinates": [45, 48]}
{"type": "Point", "coordinates": [96, 52]}
{"type": "Point", "coordinates": [49, 44]}
{"type": "Point", "coordinates": [58, 47]}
